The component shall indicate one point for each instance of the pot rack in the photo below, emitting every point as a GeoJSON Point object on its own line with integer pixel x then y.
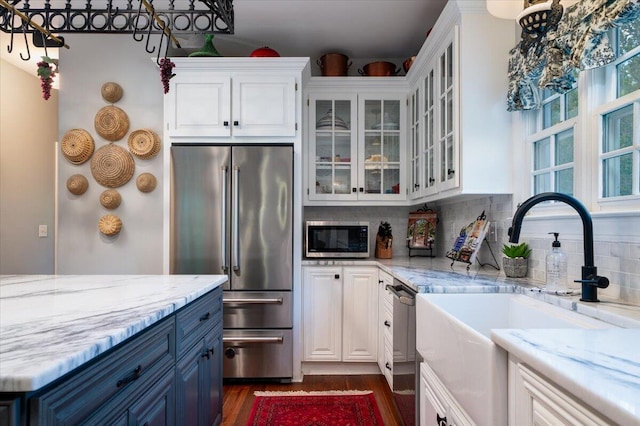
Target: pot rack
{"type": "Point", "coordinates": [43, 19]}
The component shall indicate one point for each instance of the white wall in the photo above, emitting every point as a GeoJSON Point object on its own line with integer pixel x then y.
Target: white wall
{"type": "Point", "coordinates": [28, 131]}
{"type": "Point", "coordinates": [91, 61]}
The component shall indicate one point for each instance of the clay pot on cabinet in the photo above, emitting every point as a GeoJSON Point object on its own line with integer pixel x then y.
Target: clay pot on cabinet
{"type": "Point", "coordinates": [379, 69]}
{"type": "Point", "coordinates": [334, 64]}
{"type": "Point", "coordinates": [265, 52]}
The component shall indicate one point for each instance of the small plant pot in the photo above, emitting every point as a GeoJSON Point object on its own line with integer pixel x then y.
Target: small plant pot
{"type": "Point", "coordinates": [515, 267]}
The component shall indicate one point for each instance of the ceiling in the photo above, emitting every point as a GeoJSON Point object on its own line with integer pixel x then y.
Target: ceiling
{"type": "Point", "coordinates": [360, 29]}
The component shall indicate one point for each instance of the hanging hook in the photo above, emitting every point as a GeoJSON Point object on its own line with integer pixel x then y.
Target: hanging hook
{"type": "Point", "coordinates": [135, 28]}
{"type": "Point", "coordinates": [10, 46]}
{"type": "Point", "coordinates": [44, 43]}
{"type": "Point", "coordinates": [162, 37]}
{"type": "Point", "coordinates": [149, 38]}
{"type": "Point", "coordinates": [26, 42]}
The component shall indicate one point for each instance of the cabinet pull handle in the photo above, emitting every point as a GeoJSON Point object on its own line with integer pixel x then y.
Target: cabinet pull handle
{"type": "Point", "coordinates": [416, 185]}
{"type": "Point", "coordinates": [354, 190]}
{"type": "Point", "coordinates": [205, 354]}
{"type": "Point", "coordinates": [388, 366]}
{"type": "Point", "coordinates": [380, 281]}
{"type": "Point", "coordinates": [235, 123]}
{"type": "Point", "coordinates": [336, 276]}
{"type": "Point", "coordinates": [450, 172]}
{"type": "Point", "coordinates": [361, 189]}
{"type": "Point", "coordinates": [387, 323]}
{"type": "Point", "coordinates": [134, 375]}
{"type": "Point", "coordinates": [431, 180]}
{"type": "Point", "coordinates": [205, 317]}
{"type": "Point", "coordinates": [225, 123]}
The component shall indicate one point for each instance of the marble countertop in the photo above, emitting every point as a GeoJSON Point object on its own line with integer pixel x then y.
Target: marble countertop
{"type": "Point", "coordinates": [601, 368]}
{"type": "Point", "coordinates": [50, 325]}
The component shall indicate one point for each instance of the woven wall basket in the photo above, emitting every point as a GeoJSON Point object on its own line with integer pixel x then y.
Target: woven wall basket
{"type": "Point", "coordinates": [146, 182]}
{"type": "Point", "coordinates": [110, 199]}
{"type": "Point", "coordinates": [77, 146]}
{"type": "Point", "coordinates": [112, 166]}
{"type": "Point", "coordinates": [111, 123]}
{"type": "Point", "coordinates": [144, 143]}
{"type": "Point", "coordinates": [111, 92]}
{"type": "Point", "coordinates": [77, 184]}
{"type": "Point", "coordinates": [109, 224]}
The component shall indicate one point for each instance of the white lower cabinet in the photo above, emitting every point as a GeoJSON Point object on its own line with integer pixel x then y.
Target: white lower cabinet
{"type": "Point", "coordinates": [340, 313]}
{"type": "Point", "coordinates": [437, 405]}
{"type": "Point", "coordinates": [534, 400]}
{"type": "Point", "coordinates": [385, 327]}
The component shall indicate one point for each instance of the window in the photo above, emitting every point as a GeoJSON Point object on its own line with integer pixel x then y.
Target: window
{"type": "Point", "coordinates": [586, 142]}
{"type": "Point", "coordinates": [619, 154]}
{"type": "Point", "coordinates": [552, 143]}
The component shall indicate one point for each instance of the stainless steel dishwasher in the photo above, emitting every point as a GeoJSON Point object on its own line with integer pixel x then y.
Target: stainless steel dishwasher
{"type": "Point", "coordinates": [404, 367]}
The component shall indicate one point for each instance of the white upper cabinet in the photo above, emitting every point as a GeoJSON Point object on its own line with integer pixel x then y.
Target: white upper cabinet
{"type": "Point", "coordinates": [233, 98]}
{"type": "Point", "coordinates": [461, 130]}
{"type": "Point", "coordinates": [356, 141]}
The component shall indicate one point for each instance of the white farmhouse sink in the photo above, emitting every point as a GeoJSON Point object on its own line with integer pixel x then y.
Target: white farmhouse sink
{"type": "Point", "coordinates": [453, 337]}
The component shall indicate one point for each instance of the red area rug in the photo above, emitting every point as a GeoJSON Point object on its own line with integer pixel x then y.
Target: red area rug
{"type": "Point", "coordinates": [334, 408]}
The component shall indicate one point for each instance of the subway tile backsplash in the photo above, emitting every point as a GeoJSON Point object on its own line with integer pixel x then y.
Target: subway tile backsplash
{"type": "Point", "coordinates": [618, 261]}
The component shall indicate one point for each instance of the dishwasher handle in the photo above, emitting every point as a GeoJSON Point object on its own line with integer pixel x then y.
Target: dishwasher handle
{"type": "Point", "coordinates": [403, 294]}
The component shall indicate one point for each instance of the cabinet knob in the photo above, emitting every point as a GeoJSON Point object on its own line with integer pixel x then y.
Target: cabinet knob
{"type": "Point", "coordinates": [388, 366]}
{"type": "Point", "coordinates": [235, 123]}
{"type": "Point", "coordinates": [336, 276]}
{"type": "Point", "coordinates": [225, 123]}
{"type": "Point", "coordinates": [450, 172]}
{"type": "Point", "coordinates": [416, 185]}
{"type": "Point", "coordinates": [431, 180]}
{"type": "Point", "coordinates": [361, 189]}
{"type": "Point", "coordinates": [380, 281]}
{"type": "Point", "coordinates": [441, 421]}
{"type": "Point", "coordinates": [387, 323]}
{"type": "Point", "coordinates": [354, 190]}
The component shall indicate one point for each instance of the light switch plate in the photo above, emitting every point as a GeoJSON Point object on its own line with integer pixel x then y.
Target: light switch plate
{"type": "Point", "coordinates": [42, 231]}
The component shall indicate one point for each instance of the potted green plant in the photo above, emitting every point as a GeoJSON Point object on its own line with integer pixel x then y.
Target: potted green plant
{"type": "Point", "coordinates": [515, 263]}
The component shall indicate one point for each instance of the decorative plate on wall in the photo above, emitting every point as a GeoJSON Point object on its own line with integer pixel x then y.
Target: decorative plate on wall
{"type": "Point", "coordinates": [112, 166]}
{"type": "Point", "coordinates": [146, 182]}
{"type": "Point", "coordinates": [77, 146]}
{"type": "Point", "coordinates": [109, 224]}
{"type": "Point", "coordinates": [111, 123]}
{"type": "Point", "coordinates": [110, 199]}
{"type": "Point", "coordinates": [144, 143]}
{"type": "Point", "coordinates": [77, 184]}
{"type": "Point", "coordinates": [111, 92]}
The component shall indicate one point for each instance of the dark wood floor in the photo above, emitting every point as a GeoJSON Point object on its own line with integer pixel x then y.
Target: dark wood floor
{"type": "Point", "coordinates": [238, 397]}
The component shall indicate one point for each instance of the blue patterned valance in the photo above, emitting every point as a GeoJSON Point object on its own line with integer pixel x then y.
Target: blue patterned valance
{"type": "Point", "coordinates": [580, 42]}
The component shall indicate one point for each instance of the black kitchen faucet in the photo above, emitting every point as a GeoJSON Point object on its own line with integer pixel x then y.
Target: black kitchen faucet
{"type": "Point", "coordinates": [590, 279]}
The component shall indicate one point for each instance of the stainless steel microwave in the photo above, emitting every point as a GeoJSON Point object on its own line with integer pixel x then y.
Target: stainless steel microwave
{"type": "Point", "coordinates": [330, 239]}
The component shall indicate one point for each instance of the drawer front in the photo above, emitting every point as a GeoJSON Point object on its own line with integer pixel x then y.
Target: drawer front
{"type": "Point", "coordinates": [197, 319]}
{"type": "Point", "coordinates": [259, 309]}
{"type": "Point", "coordinates": [258, 353]}
{"type": "Point", "coordinates": [122, 373]}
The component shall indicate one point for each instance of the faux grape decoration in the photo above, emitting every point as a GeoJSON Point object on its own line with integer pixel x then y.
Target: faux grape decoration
{"type": "Point", "coordinates": [166, 73]}
{"type": "Point", "coordinates": [46, 74]}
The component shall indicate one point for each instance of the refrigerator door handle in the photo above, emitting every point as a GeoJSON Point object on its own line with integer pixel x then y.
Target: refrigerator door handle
{"type": "Point", "coordinates": [235, 261]}
{"type": "Point", "coordinates": [223, 222]}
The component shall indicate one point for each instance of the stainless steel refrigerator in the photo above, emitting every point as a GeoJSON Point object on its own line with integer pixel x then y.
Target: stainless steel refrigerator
{"type": "Point", "coordinates": [231, 213]}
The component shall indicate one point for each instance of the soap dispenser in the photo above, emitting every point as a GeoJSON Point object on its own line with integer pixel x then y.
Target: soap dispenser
{"type": "Point", "coordinates": [556, 268]}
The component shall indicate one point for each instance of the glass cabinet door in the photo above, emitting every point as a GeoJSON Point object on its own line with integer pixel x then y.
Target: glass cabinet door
{"type": "Point", "coordinates": [380, 146]}
{"type": "Point", "coordinates": [333, 148]}
{"type": "Point", "coordinates": [429, 154]}
{"type": "Point", "coordinates": [446, 134]}
{"type": "Point", "coordinates": [416, 150]}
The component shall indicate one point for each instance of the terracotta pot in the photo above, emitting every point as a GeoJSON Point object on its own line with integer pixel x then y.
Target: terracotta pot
{"type": "Point", "coordinates": [379, 69]}
{"type": "Point", "coordinates": [334, 64]}
{"type": "Point", "coordinates": [264, 52]}
{"type": "Point", "coordinates": [407, 64]}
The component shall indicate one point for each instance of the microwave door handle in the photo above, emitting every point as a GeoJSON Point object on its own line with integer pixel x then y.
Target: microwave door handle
{"type": "Point", "coordinates": [223, 222]}
{"type": "Point", "coordinates": [235, 262]}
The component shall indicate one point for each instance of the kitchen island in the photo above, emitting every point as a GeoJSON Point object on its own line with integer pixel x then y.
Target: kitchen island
{"type": "Point", "coordinates": [74, 347]}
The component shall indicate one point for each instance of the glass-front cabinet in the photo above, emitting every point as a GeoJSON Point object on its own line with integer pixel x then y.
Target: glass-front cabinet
{"type": "Point", "coordinates": [332, 157]}
{"type": "Point", "coordinates": [355, 147]}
